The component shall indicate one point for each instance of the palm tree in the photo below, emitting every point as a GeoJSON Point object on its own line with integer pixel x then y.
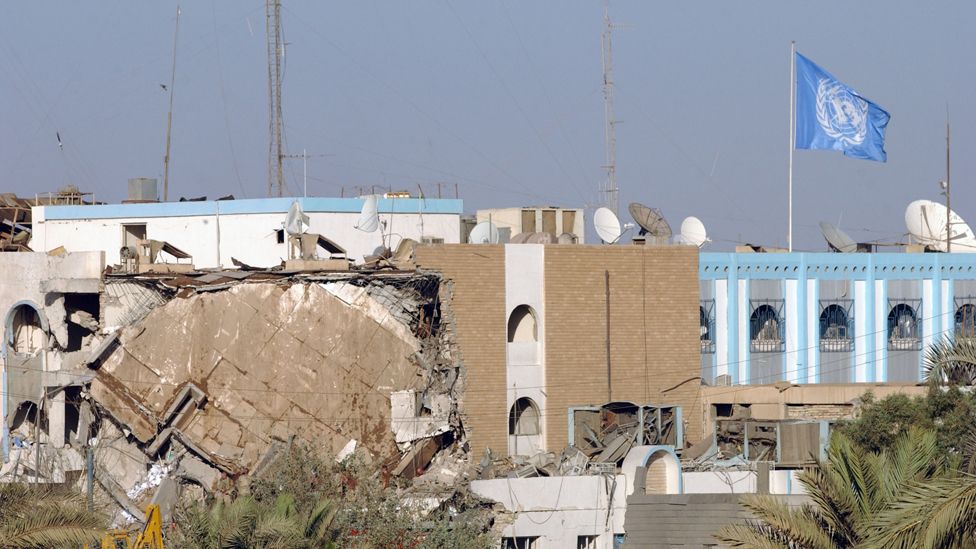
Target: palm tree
{"type": "Point", "coordinates": [848, 491]}
{"type": "Point", "coordinates": [951, 361]}
{"type": "Point", "coordinates": [32, 516]}
{"type": "Point", "coordinates": [245, 523]}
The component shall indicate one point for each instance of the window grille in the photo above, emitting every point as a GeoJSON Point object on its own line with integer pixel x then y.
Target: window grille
{"type": "Point", "coordinates": [965, 317]}
{"type": "Point", "coordinates": [904, 332]}
{"type": "Point", "coordinates": [706, 323]}
{"type": "Point", "coordinates": [836, 325]}
{"type": "Point", "coordinates": [767, 325]}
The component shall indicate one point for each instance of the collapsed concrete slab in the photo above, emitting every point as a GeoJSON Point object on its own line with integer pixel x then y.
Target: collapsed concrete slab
{"type": "Point", "coordinates": [227, 373]}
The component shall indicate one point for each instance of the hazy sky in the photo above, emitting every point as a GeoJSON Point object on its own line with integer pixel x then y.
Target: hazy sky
{"type": "Point", "coordinates": [502, 98]}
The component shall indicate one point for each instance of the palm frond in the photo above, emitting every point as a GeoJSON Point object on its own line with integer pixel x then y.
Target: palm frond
{"type": "Point", "coordinates": [951, 361]}
{"type": "Point", "coordinates": [937, 513]}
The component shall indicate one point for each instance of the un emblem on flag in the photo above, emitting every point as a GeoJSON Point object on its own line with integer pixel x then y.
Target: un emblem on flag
{"type": "Point", "coordinates": [842, 115]}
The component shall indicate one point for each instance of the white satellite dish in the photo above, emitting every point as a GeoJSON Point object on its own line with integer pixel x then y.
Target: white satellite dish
{"type": "Point", "coordinates": [296, 221]}
{"type": "Point", "coordinates": [369, 217]}
{"type": "Point", "coordinates": [693, 232]}
{"type": "Point", "coordinates": [607, 225]}
{"type": "Point", "coordinates": [483, 233]}
{"type": "Point", "coordinates": [837, 239]}
{"type": "Point", "coordinates": [926, 222]}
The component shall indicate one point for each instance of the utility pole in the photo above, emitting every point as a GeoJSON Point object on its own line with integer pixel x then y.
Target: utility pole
{"type": "Point", "coordinates": [304, 156]}
{"type": "Point", "coordinates": [610, 135]}
{"type": "Point", "coordinates": [275, 53]}
{"type": "Point", "coordinates": [169, 117]}
{"type": "Point", "coordinates": [947, 189]}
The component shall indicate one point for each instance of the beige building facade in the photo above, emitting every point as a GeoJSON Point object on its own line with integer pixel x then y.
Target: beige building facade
{"type": "Point", "coordinates": [543, 328]}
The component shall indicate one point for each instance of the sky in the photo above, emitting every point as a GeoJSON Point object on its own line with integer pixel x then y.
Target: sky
{"type": "Point", "coordinates": [501, 99]}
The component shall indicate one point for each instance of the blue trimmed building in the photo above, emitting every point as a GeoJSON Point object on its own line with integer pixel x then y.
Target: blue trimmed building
{"type": "Point", "coordinates": [830, 317]}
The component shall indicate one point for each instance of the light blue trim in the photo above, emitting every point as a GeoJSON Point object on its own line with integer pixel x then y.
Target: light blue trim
{"type": "Point", "coordinates": [651, 450]}
{"type": "Point", "coordinates": [882, 353]}
{"type": "Point", "coordinates": [936, 315]}
{"type": "Point", "coordinates": [871, 309]}
{"type": "Point", "coordinates": [8, 339]}
{"type": "Point", "coordinates": [837, 266]}
{"type": "Point", "coordinates": [817, 334]}
{"type": "Point", "coordinates": [950, 299]}
{"type": "Point", "coordinates": [748, 335]}
{"type": "Point", "coordinates": [251, 206]}
{"type": "Point", "coordinates": [803, 315]}
{"type": "Point", "coordinates": [732, 319]}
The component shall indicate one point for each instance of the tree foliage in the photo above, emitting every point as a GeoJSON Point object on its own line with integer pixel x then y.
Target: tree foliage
{"type": "Point", "coordinates": [848, 492]}
{"type": "Point", "coordinates": [42, 516]}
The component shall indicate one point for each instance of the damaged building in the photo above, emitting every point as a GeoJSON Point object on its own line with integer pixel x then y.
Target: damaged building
{"type": "Point", "coordinates": [204, 376]}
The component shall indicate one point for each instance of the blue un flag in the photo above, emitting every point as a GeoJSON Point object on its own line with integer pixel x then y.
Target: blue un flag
{"type": "Point", "coordinates": [831, 115]}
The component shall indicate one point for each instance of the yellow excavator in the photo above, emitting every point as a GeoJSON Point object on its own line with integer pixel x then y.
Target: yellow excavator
{"type": "Point", "coordinates": [151, 536]}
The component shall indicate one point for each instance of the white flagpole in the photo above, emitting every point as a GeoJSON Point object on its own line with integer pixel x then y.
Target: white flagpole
{"type": "Point", "coordinates": [789, 234]}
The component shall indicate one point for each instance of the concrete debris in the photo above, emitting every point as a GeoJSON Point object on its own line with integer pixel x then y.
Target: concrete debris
{"type": "Point", "coordinates": [346, 451]}
{"type": "Point", "coordinates": [154, 477]}
{"type": "Point", "coordinates": [412, 418]}
{"type": "Point", "coordinates": [606, 433]}
{"type": "Point", "coordinates": [415, 461]}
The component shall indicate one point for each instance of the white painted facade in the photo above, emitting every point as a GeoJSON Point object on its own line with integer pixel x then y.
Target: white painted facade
{"type": "Point", "coordinates": [525, 368]}
{"type": "Point", "coordinates": [247, 230]}
{"type": "Point", "coordinates": [510, 220]}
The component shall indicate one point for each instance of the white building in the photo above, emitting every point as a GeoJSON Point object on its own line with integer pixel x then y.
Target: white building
{"type": "Point", "coordinates": [536, 219]}
{"type": "Point", "coordinates": [249, 230]}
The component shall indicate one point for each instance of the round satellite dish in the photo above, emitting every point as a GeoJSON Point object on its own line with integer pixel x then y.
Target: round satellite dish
{"type": "Point", "coordinates": [369, 218]}
{"type": "Point", "coordinates": [520, 238]}
{"type": "Point", "coordinates": [607, 225]}
{"type": "Point", "coordinates": [650, 220]}
{"type": "Point", "coordinates": [693, 232]}
{"type": "Point", "coordinates": [484, 233]}
{"type": "Point", "coordinates": [837, 239]}
{"type": "Point", "coordinates": [567, 238]}
{"type": "Point", "coordinates": [926, 222]}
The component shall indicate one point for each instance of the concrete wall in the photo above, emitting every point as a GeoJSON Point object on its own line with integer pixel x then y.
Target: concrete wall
{"type": "Point", "coordinates": [214, 232]}
{"type": "Point", "coordinates": [654, 325]}
{"type": "Point", "coordinates": [739, 482]}
{"type": "Point", "coordinates": [558, 510]}
{"type": "Point", "coordinates": [511, 218]}
{"type": "Point", "coordinates": [477, 277]}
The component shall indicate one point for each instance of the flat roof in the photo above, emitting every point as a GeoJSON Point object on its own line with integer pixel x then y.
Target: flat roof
{"type": "Point", "coordinates": [249, 206]}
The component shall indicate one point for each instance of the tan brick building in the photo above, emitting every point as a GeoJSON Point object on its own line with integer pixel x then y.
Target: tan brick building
{"type": "Point", "coordinates": [532, 327]}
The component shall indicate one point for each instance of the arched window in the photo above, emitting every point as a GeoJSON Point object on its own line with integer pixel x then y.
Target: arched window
{"type": "Point", "coordinates": [966, 320]}
{"type": "Point", "coordinates": [27, 333]}
{"type": "Point", "coordinates": [835, 326]}
{"type": "Point", "coordinates": [903, 328]}
{"type": "Point", "coordinates": [522, 325]}
{"type": "Point", "coordinates": [765, 328]}
{"type": "Point", "coordinates": [523, 418]}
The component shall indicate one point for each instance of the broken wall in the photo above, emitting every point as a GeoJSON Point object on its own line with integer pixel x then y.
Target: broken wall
{"type": "Point", "coordinates": [316, 360]}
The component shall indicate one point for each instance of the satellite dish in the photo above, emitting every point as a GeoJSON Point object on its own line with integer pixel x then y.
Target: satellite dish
{"type": "Point", "coordinates": [520, 238]}
{"type": "Point", "coordinates": [607, 225]}
{"type": "Point", "coordinates": [483, 233]}
{"type": "Point", "coordinates": [369, 217]}
{"type": "Point", "coordinates": [693, 232]}
{"type": "Point", "coordinates": [837, 239]}
{"type": "Point", "coordinates": [926, 222]}
{"type": "Point", "coordinates": [650, 220]}
{"type": "Point", "coordinates": [296, 222]}
{"type": "Point", "coordinates": [567, 238]}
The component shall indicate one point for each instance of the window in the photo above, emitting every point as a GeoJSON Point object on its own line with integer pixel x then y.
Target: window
{"type": "Point", "coordinates": [766, 327]}
{"type": "Point", "coordinates": [836, 325]}
{"type": "Point", "coordinates": [903, 330]}
{"type": "Point", "coordinates": [585, 542]}
{"type": "Point", "coordinates": [965, 317]}
{"type": "Point", "coordinates": [520, 542]}
{"type": "Point", "coordinates": [706, 325]}
{"type": "Point", "coordinates": [27, 335]}
{"type": "Point", "coordinates": [522, 325]}
{"type": "Point", "coordinates": [132, 234]}
{"type": "Point", "coordinates": [523, 418]}
{"type": "Point", "coordinates": [280, 236]}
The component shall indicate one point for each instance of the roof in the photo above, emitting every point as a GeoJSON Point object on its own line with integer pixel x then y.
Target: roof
{"type": "Point", "coordinates": [247, 206]}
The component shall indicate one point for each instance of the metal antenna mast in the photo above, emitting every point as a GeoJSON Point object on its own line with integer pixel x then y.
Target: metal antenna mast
{"type": "Point", "coordinates": [169, 117]}
{"type": "Point", "coordinates": [610, 185]}
{"type": "Point", "coordinates": [275, 53]}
